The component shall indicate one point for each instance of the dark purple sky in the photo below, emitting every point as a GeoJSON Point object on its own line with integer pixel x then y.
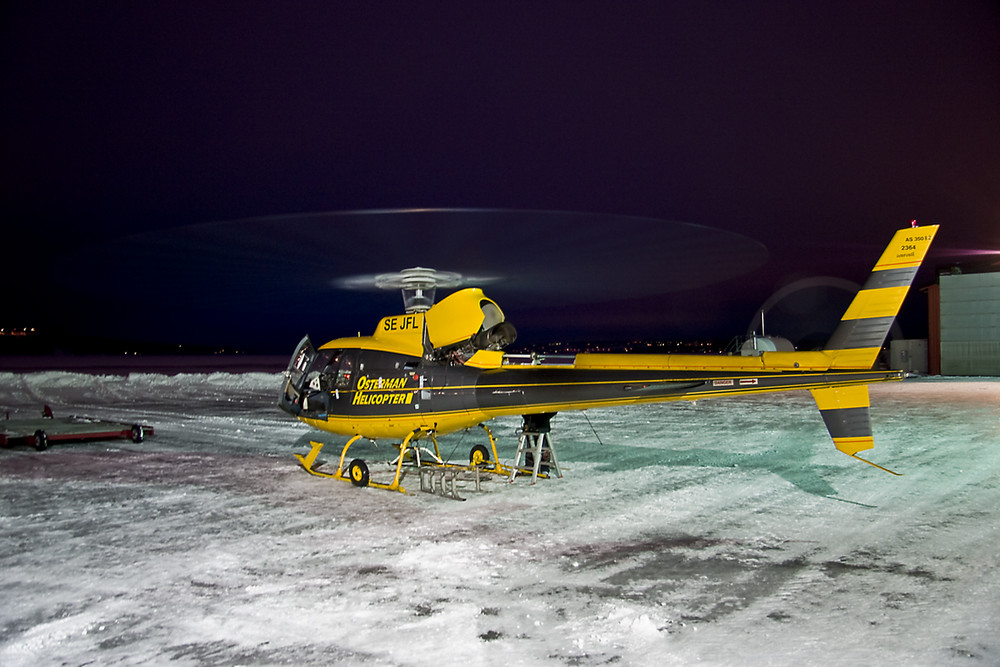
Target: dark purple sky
{"type": "Point", "coordinates": [814, 128]}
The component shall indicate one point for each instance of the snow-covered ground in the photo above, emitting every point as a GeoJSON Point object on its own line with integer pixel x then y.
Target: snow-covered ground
{"type": "Point", "coordinates": [722, 532]}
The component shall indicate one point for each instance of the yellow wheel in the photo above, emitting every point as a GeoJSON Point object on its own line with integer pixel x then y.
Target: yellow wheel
{"type": "Point", "coordinates": [479, 455]}
{"type": "Point", "coordinates": [358, 472]}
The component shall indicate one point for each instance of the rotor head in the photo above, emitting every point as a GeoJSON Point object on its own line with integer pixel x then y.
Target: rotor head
{"type": "Point", "coordinates": [418, 285]}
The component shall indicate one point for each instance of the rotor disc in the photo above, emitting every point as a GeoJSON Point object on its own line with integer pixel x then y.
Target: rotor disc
{"type": "Point", "coordinates": [284, 272]}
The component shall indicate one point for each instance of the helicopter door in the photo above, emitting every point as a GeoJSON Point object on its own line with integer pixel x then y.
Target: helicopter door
{"type": "Point", "coordinates": [307, 385]}
{"type": "Point", "coordinates": [291, 400]}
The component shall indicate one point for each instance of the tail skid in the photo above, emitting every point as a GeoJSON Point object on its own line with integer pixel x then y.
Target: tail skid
{"type": "Point", "coordinates": [891, 472]}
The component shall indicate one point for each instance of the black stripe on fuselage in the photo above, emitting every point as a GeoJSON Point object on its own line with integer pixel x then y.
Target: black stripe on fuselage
{"type": "Point", "coordinates": [445, 389]}
{"type": "Point", "coordinates": [498, 389]}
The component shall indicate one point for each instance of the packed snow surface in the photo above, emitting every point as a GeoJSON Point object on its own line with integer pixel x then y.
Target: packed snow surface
{"type": "Point", "coordinates": [722, 532]}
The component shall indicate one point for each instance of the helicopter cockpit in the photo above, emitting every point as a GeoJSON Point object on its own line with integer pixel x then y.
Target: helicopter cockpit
{"type": "Point", "coordinates": [464, 329]}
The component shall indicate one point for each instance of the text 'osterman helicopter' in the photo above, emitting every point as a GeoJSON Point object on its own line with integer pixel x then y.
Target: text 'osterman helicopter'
{"type": "Point", "coordinates": [441, 367]}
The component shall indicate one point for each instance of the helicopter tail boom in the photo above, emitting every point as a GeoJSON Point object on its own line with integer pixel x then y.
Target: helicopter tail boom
{"type": "Point", "coordinates": [851, 351]}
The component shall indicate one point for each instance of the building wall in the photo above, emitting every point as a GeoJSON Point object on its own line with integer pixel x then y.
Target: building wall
{"type": "Point", "coordinates": [970, 324]}
{"type": "Point", "coordinates": [908, 355]}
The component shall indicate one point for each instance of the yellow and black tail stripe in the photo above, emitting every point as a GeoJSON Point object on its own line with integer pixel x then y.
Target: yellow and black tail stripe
{"type": "Point", "coordinates": [859, 337]}
{"type": "Point", "coordinates": [845, 413]}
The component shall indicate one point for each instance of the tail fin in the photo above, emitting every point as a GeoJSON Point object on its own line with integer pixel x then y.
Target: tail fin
{"type": "Point", "coordinates": [856, 342]}
{"type": "Point", "coordinates": [858, 339]}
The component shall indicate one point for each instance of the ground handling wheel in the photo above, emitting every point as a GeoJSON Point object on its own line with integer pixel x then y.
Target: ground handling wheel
{"type": "Point", "coordinates": [358, 472]}
{"type": "Point", "coordinates": [479, 455]}
{"type": "Point", "coordinates": [41, 440]}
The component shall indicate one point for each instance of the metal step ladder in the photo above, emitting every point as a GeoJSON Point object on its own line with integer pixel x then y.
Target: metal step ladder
{"type": "Point", "coordinates": [536, 441]}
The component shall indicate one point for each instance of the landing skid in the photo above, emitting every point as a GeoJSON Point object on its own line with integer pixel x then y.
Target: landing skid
{"type": "Point", "coordinates": [436, 474]}
{"type": "Point", "coordinates": [356, 472]}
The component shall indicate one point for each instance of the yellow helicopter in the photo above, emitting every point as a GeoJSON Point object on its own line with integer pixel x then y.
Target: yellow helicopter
{"type": "Point", "coordinates": [440, 367]}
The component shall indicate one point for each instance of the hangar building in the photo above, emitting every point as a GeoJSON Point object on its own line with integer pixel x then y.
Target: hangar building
{"type": "Point", "coordinates": [964, 331]}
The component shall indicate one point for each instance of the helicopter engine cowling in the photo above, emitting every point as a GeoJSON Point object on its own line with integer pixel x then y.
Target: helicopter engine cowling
{"type": "Point", "coordinates": [460, 316]}
{"type": "Point", "coordinates": [468, 319]}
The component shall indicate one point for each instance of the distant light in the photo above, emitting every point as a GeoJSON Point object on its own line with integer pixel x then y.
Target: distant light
{"type": "Point", "coordinates": [967, 252]}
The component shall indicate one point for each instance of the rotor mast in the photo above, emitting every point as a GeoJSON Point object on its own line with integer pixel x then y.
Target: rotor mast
{"type": "Point", "coordinates": [418, 286]}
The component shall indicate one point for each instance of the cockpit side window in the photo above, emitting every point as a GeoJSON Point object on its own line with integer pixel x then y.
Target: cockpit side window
{"type": "Point", "coordinates": [342, 368]}
{"type": "Point", "coordinates": [317, 365]}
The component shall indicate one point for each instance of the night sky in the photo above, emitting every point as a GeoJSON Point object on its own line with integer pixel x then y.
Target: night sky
{"type": "Point", "coordinates": [812, 129]}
